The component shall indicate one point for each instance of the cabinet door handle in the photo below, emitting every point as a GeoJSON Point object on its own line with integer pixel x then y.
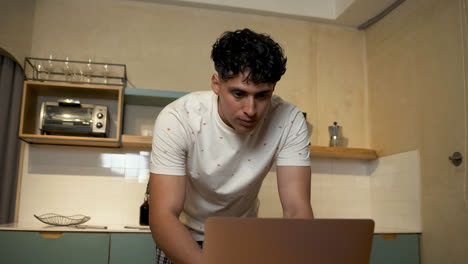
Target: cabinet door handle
{"type": "Point", "coordinates": [50, 234]}
{"type": "Point", "coordinates": [388, 236]}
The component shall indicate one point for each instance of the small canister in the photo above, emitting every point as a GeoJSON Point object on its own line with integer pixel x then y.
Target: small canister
{"type": "Point", "coordinates": [335, 137]}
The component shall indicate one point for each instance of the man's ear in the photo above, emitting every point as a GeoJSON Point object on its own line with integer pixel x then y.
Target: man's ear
{"type": "Point", "coordinates": [215, 82]}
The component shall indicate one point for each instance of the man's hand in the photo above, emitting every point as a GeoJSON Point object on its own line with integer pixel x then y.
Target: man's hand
{"type": "Point", "coordinates": [294, 191]}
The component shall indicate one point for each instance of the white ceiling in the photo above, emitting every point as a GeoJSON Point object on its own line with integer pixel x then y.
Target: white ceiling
{"type": "Point", "coordinates": [342, 12]}
{"type": "Point", "coordinates": [361, 11]}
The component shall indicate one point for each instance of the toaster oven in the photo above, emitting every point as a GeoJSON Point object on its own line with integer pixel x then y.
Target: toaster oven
{"type": "Point", "coordinates": [70, 117]}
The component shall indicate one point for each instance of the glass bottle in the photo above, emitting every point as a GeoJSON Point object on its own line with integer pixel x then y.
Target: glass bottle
{"type": "Point", "coordinates": [105, 73]}
{"type": "Point", "coordinates": [88, 71]}
{"type": "Point", "coordinates": [67, 70]}
{"type": "Point", "coordinates": [39, 70]}
{"type": "Point", "coordinates": [49, 67]}
{"type": "Point", "coordinates": [144, 209]}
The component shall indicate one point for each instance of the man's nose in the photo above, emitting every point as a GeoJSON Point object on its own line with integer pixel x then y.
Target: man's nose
{"type": "Point", "coordinates": [250, 108]}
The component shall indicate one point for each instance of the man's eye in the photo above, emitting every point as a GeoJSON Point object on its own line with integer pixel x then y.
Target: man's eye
{"type": "Point", "coordinates": [237, 94]}
{"type": "Point", "coordinates": [262, 95]}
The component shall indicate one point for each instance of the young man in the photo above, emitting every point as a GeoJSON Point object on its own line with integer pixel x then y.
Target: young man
{"type": "Point", "coordinates": [212, 149]}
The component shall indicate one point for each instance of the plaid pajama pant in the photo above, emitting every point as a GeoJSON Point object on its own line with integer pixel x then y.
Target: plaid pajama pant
{"type": "Point", "coordinates": [161, 258]}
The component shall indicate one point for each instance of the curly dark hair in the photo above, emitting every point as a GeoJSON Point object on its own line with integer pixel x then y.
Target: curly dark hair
{"type": "Point", "coordinates": [246, 51]}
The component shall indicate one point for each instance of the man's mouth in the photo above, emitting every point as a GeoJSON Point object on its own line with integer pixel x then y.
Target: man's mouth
{"type": "Point", "coordinates": [248, 122]}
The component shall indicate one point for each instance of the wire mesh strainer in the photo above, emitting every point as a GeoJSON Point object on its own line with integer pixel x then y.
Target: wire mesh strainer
{"type": "Point", "coordinates": [60, 220]}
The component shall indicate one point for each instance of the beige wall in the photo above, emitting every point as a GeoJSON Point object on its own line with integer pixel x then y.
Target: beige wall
{"type": "Point", "coordinates": [416, 101]}
{"type": "Point", "coordinates": [16, 26]}
{"type": "Point", "coordinates": [168, 48]}
{"type": "Point", "coordinates": [415, 78]}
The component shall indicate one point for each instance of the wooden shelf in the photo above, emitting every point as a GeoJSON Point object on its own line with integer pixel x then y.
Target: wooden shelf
{"type": "Point", "coordinates": [342, 153]}
{"type": "Point", "coordinates": [137, 96]}
{"type": "Point", "coordinates": [36, 92]}
{"type": "Point", "coordinates": [71, 140]}
{"type": "Point", "coordinates": [143, 142]}
{"type": "Point", "coordinates": [140, 142]}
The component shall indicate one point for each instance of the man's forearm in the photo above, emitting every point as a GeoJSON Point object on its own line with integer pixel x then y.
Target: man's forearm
{"type": "Point", "coordinates": [294, 191]}
{"type": "Point", "coordinates": [175, 240]}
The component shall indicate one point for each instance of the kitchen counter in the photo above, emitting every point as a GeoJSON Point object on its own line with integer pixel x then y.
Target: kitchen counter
{"type": "Point", "coordinates": [389, 230]}
{"type": "Point", "coordinates": [40, 227]}
{"type": "Point", "coordinates": [118, 245]}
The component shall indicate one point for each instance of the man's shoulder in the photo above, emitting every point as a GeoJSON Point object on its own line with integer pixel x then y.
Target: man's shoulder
{"type": "Point", "coordinates": [189, 111]}
{"type": "Point", "coordinates": [279, 105]}
{"type": "Point", "coordinates": [201, 95]}
{"type": "Point", "coordinates": [193, 101]}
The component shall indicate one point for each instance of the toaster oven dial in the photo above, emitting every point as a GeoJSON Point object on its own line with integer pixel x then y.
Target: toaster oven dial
{"type": "Point", "coordinates": [99, 125]}
{"type": "Point", "coordinates": [100, 115]}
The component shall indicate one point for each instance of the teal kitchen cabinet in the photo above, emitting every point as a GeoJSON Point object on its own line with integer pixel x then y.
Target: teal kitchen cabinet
{"type": "Point", "coordinates": [17, 247]}
{"type": "Point", "coordinates": [132, 248]}
{"type": "Point", "coordinates": [395, 248]}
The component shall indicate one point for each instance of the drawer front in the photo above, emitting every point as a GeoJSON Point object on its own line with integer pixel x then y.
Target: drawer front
{"type": "Point", "coordinates": [390, 249]}
{"type": "Point", "coordinates": [132, 248]}
{"type": "Point", "coordinates": [70, 248]}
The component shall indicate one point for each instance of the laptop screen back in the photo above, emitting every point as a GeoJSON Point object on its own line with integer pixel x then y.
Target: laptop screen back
{"type": "Point", "coordinates": [230, 240]}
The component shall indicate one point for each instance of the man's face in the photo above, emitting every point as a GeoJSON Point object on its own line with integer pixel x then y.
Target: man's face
{"type": "Point", "coordinates": [241, 105]}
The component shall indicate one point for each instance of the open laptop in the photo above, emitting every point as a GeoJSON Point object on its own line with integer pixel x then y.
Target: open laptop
{"type": "Point", "coordinates": [230, 240]}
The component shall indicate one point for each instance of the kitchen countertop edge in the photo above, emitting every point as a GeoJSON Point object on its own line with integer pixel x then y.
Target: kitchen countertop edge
{"type": "Point", "coordinates": [46, 228]}
{"type": "Point", "coordinates": [122, 229]}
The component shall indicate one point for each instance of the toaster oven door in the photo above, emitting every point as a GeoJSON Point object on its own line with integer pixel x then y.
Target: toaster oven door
{"type": "Point", "coordinates": [66, 119]}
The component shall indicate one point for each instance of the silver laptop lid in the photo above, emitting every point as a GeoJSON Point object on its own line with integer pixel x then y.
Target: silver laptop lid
{"type": "Point", "coordinates": [230, 240]}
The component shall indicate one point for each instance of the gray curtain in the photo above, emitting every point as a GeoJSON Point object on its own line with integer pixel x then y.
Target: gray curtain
{"type": "Point", "coordinates": [11, 86]}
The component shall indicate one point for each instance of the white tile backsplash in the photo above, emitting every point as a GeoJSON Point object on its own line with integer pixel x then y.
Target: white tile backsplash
{"type": "Point", "coordinates": [132, 160]}
{"type": "Point", "coordinates": [348, 167]}
{"type": "Point", "coordinates": [109, 185]}
{"type": "Point", "coordinates": [106, 184]}
{"type": "Point", "coordinates": [396, 191]}
{"type": "Point", "coordinates": [118, 160]}
{"type": "Point", "coordinates": [334, 193]}
{"type": "Point", "coordinates": [386, 190]}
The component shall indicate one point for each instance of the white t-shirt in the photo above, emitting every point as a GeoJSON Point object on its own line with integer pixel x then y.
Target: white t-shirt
{"type": "Point", "coordinates": [224, 168]}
